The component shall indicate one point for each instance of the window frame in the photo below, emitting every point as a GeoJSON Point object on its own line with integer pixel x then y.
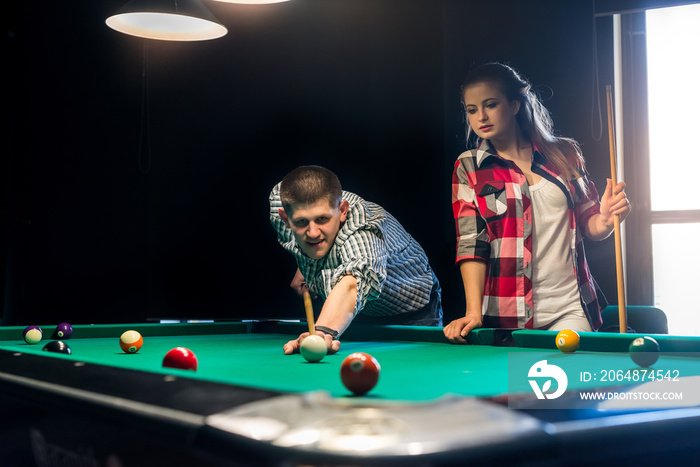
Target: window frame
{"type": "Point", "coordinates": [631, 35]}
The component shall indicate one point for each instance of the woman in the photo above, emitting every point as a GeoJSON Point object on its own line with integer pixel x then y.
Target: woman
{"type": "Point", "coordinates": [522, 202]}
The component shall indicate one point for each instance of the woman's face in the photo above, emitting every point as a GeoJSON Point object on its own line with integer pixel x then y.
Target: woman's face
{"type": "Point", "coordinates": [490, 114]}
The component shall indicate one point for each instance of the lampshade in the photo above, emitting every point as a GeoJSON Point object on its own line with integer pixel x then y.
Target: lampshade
{"type": "Point", "coordinates": [170, 20]}
{"type": "Point", "coordinates": [252, 2]}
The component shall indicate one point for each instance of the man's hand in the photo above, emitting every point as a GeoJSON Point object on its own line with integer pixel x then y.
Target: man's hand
{"type": "Point", "coordinates": [298, 283]}
{"type": "Point", "coordinates": [293, 346]}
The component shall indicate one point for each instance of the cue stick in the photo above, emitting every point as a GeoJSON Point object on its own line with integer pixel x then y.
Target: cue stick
{"type": "Point", "coordinates": [309, 311]}
{"type": "Point", "coordinates": [618, 235]}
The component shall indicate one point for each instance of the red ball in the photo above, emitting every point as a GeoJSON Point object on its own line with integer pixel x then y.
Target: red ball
{"type": "Point", "coordinates": [360, 372]}
{"type": "Point", "coordinates": [180, 358]}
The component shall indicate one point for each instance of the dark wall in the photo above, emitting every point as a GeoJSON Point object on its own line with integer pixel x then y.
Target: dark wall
{"type": "Point", "coordinates": [128, 201]}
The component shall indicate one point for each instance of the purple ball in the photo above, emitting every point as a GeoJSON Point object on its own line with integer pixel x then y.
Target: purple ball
{"type": "Point", "coordinates": [32, 334]}
{"type": "Point", "coordinates": [64, 331]}
{"type": "Point", "coordinates": [28, 328]}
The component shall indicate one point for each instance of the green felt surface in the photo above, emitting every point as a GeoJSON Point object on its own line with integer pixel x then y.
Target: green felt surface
{"type": "Point", "coordinates": [412, 370]}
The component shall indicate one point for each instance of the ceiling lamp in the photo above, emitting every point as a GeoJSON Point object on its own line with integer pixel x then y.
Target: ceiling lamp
{"type": "Point", "coordinates": [252, 2]}
{"type": "Point", "coordinates": [168, 20]}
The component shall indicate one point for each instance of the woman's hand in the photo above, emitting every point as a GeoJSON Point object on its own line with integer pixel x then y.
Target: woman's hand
{"type": "Point", "coordinates": [458, 329]}
{"type": "Point", "coordinates": [613, 203]}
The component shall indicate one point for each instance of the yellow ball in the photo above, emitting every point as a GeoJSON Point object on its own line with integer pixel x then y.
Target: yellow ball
{"type": "Point", "coordinates": [131, 341]}
{"type": "Point", "coordinates": [568, 340]}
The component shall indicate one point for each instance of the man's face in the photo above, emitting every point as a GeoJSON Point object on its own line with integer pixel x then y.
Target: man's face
{"type": "Point", "coordinates": [315, 225]}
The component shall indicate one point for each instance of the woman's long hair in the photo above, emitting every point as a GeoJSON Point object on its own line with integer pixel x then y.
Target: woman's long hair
{"type": "Point", "coordinates": [534, 119]}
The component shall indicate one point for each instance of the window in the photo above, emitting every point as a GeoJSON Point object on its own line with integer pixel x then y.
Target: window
{"type": "Point", "coordinates": [673, 74]}
{"type": "Point", "coordinates": [673, 69]}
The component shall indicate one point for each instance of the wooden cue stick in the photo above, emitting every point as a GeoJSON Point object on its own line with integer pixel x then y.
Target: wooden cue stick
{"type": "Point", "coordinates": [618, 235]}
{"type": "Point", "coordinates": [309, 312]}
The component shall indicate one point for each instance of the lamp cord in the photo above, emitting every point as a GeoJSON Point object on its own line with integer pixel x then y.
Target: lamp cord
{"type": "Point", "coordinates": [144, 160]}
{"type": "Point", "coordinates": [596, 117]}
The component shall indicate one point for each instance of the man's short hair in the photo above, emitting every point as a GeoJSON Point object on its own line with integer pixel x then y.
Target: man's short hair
{"type": "Point", "coordinates": [309, 184]}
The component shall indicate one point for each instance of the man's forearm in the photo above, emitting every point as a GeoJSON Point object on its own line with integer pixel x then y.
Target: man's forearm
{"type": "Point", "coordinates": [339, 307]}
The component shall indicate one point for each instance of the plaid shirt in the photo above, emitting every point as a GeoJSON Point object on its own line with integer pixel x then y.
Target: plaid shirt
{"type": "Point", "coordinates": [391, 268]}
{"type": "Point", "coordinates": [493, 217]}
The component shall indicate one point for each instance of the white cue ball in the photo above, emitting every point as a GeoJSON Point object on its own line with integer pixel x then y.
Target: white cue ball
{"type": "Point", "coordinates": [313, 348]}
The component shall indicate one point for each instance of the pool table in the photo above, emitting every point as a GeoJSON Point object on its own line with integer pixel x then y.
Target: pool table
{"type": "Point", "coordinates": [436, 403]}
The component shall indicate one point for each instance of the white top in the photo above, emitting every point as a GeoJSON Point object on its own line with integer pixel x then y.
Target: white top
{"type": "Point", "coordinates": [554, 289]}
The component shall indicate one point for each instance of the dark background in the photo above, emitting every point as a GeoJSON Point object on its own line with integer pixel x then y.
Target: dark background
{"type": "Point", "coordinates": [112, 217]}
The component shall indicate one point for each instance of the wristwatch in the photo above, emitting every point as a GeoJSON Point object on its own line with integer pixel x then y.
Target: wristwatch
{"type": "Point", "coordinates": [332, 332]}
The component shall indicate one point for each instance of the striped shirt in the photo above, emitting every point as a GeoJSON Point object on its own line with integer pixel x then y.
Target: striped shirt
{"type": "Point", "coordinates": [492, 208]}
{"type": "Point", "coordinates": [391, 268]}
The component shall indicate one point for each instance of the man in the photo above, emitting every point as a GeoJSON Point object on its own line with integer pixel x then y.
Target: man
{"type": "Point", "coordinates": [352, 253]}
